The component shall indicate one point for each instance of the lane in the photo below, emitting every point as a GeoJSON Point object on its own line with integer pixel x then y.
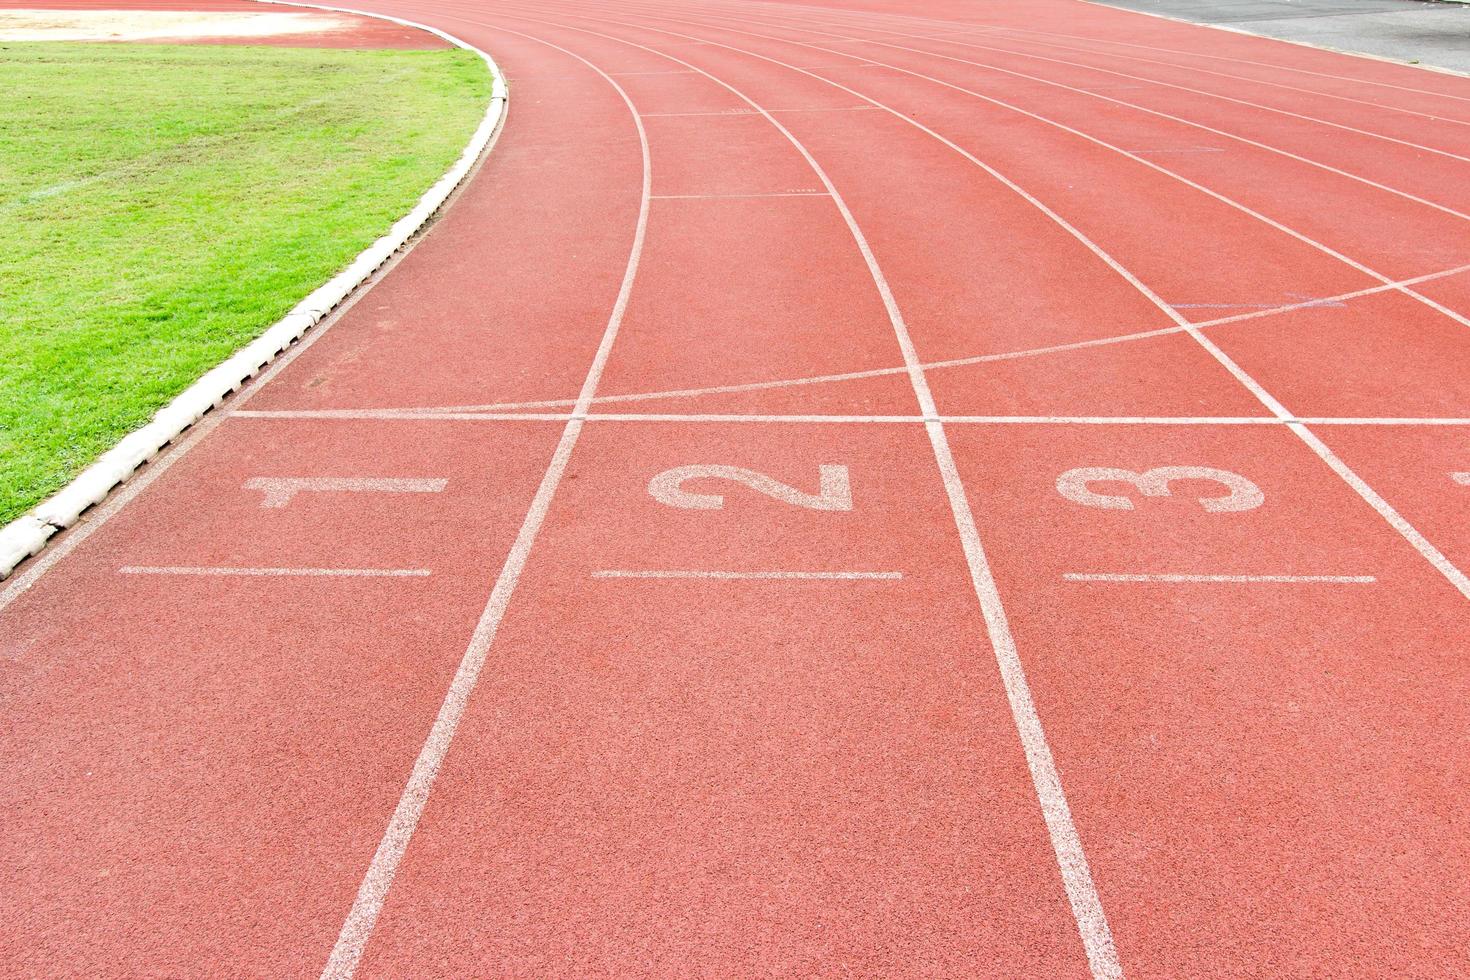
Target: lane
{"type": "Point", "coordinates": [1263, 771]}
{"type": "Point", "coordinates": [665, 936]}
{"type": "Point", "coordinates": [737, 777]}
{"type": "Point", "coordinates": [1354, 829]}
{"type": "Point", "coordinates": [1190, 65]}
{"type": "Point", "coordinates": [199, 767]}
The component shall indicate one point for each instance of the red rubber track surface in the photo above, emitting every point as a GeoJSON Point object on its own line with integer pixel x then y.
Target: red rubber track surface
{"type": "Point", "coordinates": [971, 711]}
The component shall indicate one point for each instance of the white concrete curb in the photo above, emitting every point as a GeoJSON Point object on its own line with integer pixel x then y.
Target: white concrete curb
{"type": "Point", "coordinates": [27, 535]}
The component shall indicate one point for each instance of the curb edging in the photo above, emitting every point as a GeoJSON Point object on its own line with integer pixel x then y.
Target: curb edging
{"type": "Point", "coordinates": [27, 535]}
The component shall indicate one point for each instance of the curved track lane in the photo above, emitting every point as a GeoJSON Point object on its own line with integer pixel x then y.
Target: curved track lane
{"type": "Point", "coordinates": [842, 491]}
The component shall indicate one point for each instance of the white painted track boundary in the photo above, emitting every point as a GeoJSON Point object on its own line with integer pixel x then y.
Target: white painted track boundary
{"type": "Point", "coordinates": [27, 535]}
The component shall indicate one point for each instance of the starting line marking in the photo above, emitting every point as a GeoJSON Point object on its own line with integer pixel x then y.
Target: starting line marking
{"type": "Point", "coordinates": [1110, 577]}
{"type": "Point", "coordinates": [279, 490]}
{"type": "Point", "coordinates": [420, 414]}
{"type": "Point", "coordinates": [714, 112]}
{"type": "Point", "coordinates": [633, 573]}
{"type": "Point", "coordinates": [735, 197]}
{"type": "Point", "coordinates": [306, 572]}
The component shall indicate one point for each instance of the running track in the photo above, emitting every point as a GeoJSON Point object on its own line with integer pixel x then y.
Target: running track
{"type": "Point", "coordinates": [965, 697]}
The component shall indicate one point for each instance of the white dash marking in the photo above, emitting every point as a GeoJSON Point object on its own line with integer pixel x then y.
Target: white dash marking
{"type": "Point", "coordinates": [714, 112]}
{"type": "Point", "coordinates": [280, 489]}
{"type": "Point", "coordinates": [290, 572]}
{"type": "Point", "coordinates": [634, 573]}
{"type": "Point", "coordinates": [732, 197]}
{"type": "Point", "coordinates": [1183, 149]}
{"type": "Point", "coordinates": [373, 891]}
{"type": "Point", "coordinates": [1110, 577]}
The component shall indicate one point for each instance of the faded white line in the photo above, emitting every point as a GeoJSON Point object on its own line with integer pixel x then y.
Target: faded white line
{"type": "Point", "coordinates": [358, 926]}
{"type": "Point", "coordinates": [279, 491]}
{"type": "Point", "coordinates": [674, 573]}
{"type": "Point", "coordinates": [725, 197]}
{"type": "Point", "coordinates": [1107, 577]}
{"type": "Point", "coordinates": [718, 112]}
{"type": "Point", "coordinates": [1197, 70]}
{"type": "Point", "coordinates": [835, 108]}
{"type": "Point", "coordinates": [1182, 149]}
{"type": "Point", "coordinates": [1241, 61]}
{"type": "Point", "coordinates": [961, 361]}
{"type": "Point", "coordinates": [1194, 91]}
{"type": "Point", "coordinates": [289, 572]}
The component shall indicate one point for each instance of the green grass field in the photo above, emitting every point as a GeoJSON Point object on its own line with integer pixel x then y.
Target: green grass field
{"type": "Point", "coordinates": [162, 205]}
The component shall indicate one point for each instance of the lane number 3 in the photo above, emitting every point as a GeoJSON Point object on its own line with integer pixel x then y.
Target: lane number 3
{"type": "Point", "coordinates": [668, 487]}
{"type": "Point", "coordinates": [1075, 486]}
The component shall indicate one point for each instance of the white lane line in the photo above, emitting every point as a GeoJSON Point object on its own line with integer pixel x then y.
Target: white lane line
{"type": "Point", "coordinates": [358, 926]}
{"type": "Point", "coordinates": [717, 112]}
{"type": "Point", "coordinates": [1182, 149]}
{"type": "Point", "coordinates": [1107, 577]}
{"type": "Point", "coordinates": [1092, 924]}
{"type": "Point", "coordinates": [961, 361]}
{"type": "Point", "coordinates": [1094, 93]}
{"type": "Point", "coordinates": [909, 21]}
{"type": "Point", "coordinates": [730, 197]}
{"type": "Point", "coordinates": [1194, 91]}
{"type": "Point", "coordinates": [1383, 421]}
{"type": "Point", "coordinates": [1196, 70]}
{"type": "Point", "coordinates": [1251, 306]}
{"type": "Point", "coordinates": [289, 572]}
{"type": "Point", "coordinates": [279, 491]}
{"type": "Point", "coordinates": [833, 108]}
{"type": "Point", "coordinates": [1426, 549]}
{"type": "Point", "coordinates": [632, 573]}
{"type": "Point", "coordinates": [1241, 61]}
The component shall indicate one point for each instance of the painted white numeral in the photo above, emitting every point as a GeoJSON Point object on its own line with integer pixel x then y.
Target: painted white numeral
{"type": "Point", "coordinates": [667, 487]}
{"type": "Point", "coordinates": [1073, 484]}
{"type": "Point", "coordinates": [1461, 478]}
{"type": "Point", "coordinates": [279, 490]}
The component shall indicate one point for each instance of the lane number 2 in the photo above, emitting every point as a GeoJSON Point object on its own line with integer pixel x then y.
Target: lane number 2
{"type": "Point", "coordinates": [1075, 486]}
{"type": "Point", "coordinates": [668, 487]}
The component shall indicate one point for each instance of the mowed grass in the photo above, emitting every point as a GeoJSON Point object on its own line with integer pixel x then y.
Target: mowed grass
{"type": "Point", "coordinates": [160, 206]}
